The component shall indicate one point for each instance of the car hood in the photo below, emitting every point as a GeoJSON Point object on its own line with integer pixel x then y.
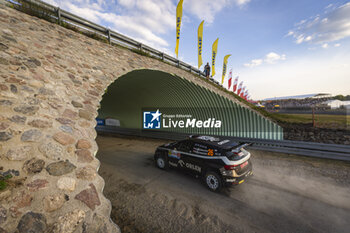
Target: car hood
{"type": "Point", "coordinates": [167, 145]}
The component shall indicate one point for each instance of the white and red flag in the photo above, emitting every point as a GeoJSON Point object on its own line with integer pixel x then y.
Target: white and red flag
{"type": "Point", "coordinates": [239, 88]}
{"type": "Point", "coordinates": [242, 92]}
{"type": "Point", "coordinates": [230, 79]}
{"type": "Point", "coordinates": [246, 94]}
{"type": "Point", "coordinates": [235, 84]}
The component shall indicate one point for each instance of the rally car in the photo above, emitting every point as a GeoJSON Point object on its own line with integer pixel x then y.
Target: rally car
{"type": "Point", "coordinates": [220, 162]}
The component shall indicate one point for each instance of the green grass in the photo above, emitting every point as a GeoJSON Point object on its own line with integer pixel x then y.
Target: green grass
{"type": "Point", "coordinates": [3, 185]}
{"type": "Point", "coordinates": [69, 26]}
{"type": "Point", "coordinates": [4, 181]}
{"type": "Point", "coordinates": [33, 10]}
{"type": "Point", "coordinates": [142, 53]}
{"type": "Point", "coordinates": [321, 120]}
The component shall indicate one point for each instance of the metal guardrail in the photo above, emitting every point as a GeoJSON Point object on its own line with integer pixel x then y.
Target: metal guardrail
{"type": "Point", "coordinates": [329, 151]}
{"type": "Point", "coordinates": [62, 16]}
{"type": "Point", "coordinates": [310, 149]}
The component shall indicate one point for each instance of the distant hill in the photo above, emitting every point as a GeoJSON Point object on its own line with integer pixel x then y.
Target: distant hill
{"type": "Point", "coordinates": [342, 97]}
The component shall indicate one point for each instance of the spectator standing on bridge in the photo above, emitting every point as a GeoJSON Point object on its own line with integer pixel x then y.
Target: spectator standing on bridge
{"type": "Point", "coordinates": [207, 70]}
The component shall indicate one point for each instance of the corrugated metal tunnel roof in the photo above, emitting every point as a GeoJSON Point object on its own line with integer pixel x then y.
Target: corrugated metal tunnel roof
{"type": "Point", "coordinates": [141, 90]}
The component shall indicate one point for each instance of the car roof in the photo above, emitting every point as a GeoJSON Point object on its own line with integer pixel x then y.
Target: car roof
{"type": "Point", "coordinates": [222, 143]}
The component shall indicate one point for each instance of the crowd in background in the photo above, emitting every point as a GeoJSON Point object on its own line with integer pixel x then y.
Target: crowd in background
{"type": "Point", "coordinates": [296, 103]}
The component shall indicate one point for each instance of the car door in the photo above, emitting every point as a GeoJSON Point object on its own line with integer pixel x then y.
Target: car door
{"type": "Point", "coordinates": [192, 162]}
{"type": "Point", "coordinates": [201, 152]}
{"type": "Point", "coordinates": [185, 149]}
{"type": "Point", "coordinates": [174, 155]}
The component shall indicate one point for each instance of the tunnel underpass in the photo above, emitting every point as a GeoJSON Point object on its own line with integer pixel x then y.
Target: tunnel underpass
{"type": "Point", "coordinates": [149, 90]}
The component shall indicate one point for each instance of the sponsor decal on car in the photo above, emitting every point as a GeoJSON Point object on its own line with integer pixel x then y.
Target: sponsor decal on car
{"type": "Point", "coordinates": [208, 138]}
{"type": "Point", "coordinates": [174, 154]}
{"type": "Point", "coordinates": [172, 164]}
{"type": "Point", "coordinates": [223, 142]}
{"type": "Point", "coordinates": [190, 166]}
{"type": "Point", "coordinates": [230, 180]}
{"type": "Point", "coordinates": [210, 152]}
{"type": "Point", "coordinates": [182, 163]}
{"type": "Point", "coordinates": [193, 167]}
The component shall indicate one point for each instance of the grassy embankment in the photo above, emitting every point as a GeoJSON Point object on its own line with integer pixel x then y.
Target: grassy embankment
{"type": "Point", "coordinates": [322, 121]}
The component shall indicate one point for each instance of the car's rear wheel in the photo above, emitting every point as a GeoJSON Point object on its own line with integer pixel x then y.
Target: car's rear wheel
{"type": "Point", "coordinates": [213, 181]}
{"type": "Point", "coordinates": [161, 162]}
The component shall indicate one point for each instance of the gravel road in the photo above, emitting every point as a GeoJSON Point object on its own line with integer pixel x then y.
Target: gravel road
{"type": "Point", "coordinates": [286, 194]}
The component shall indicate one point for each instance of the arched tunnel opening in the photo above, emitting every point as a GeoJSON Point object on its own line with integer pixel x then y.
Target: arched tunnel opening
{"type": "Point", "coordinates": [138, 190]}
{"type": "Point", "coordinates": [177, 99]}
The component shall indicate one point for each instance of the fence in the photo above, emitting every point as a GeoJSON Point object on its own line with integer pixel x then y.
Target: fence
{"type": "Point", "coordinates": [310, 149]}
{"type": "Point", "coordinates": [114, 38]}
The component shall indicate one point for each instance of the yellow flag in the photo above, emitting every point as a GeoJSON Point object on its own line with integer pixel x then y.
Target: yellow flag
{"type": "Point", "coordinates": [178, 25]}
{"type": "Point", "coordinates": [200, 43]}
{"type": "Point", "coordinates": [214, 52]}
{"type": "Point", "coordinates": [224, 68]}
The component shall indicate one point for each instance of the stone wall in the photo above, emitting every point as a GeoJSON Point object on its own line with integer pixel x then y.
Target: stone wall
{"type": "Point", "coordinates": [51, 82]}
{"type": "Point", "coordinates": [308, 133]}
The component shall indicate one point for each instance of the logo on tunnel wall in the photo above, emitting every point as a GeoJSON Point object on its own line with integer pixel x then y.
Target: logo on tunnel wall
{"type": "Point", "coordinates": [151, 120]}
{"type": "Point", "coordinates": [176, 118]}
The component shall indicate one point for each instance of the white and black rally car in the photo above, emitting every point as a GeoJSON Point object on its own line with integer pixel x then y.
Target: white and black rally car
{"type": "Point", "coordinates": [220, 162]}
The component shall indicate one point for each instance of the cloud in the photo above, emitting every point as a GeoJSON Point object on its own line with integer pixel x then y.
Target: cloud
{"type": "Point", "coordinates": [332, 26]}
{"type": "Point", "coordinates": [300, 75]}
{"type": "Point", "coordinates": [52, 2]}
{"type": "Point", "coordinates": [308, 38]}
{"type": "Point", "coordinates": [254, 62]}
{"type": "Point", "coordinates": [147, 21]}
{"type": "Point", "coordinates": [337, 45]}
{"type": "Point", "coordinates": [299, 39]}
{"type": "Point", "coordinates": [290, 33]}
{"type": "Point", "coordinates": [241, 2]}
{"type": "Point", "coordinates": [207, 9]}
{"type": "Point", "coordinates": [325, 45]}
{"type": "Point", "coordinates": [329, 6]}
{"type": "Point", "coordinates": [270, 58]}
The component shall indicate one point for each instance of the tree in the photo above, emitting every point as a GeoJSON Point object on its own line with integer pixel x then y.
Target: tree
{"type": "Point", "coordinates": [342, 98]}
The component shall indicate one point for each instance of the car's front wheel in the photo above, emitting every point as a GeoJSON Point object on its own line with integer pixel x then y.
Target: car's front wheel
{"type": "Point", "coordinates": [161, 162]}
{"type": "Point", "coordinates": [213, 181]}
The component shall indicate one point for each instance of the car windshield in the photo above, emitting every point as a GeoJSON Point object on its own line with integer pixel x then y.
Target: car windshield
{"type": "Point", "coordinates": [232, 145]}
{"type": "Point", "coordinates": [170, 144]}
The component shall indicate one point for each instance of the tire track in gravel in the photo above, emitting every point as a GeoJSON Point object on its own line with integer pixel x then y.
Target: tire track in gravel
{"type": "Point", "coordinates": [286, 194]}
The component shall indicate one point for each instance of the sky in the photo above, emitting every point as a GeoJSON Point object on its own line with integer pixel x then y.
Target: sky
{"type": "Point", "coordinates": [278, 47]}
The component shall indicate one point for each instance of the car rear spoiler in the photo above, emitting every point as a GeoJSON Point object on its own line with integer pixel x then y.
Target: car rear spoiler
{"type": "Point", "coordinates": [240, 146]}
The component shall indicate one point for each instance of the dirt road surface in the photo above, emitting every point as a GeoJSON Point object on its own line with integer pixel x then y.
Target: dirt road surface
{"type": "Point", "coordinates": [286, 194]}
